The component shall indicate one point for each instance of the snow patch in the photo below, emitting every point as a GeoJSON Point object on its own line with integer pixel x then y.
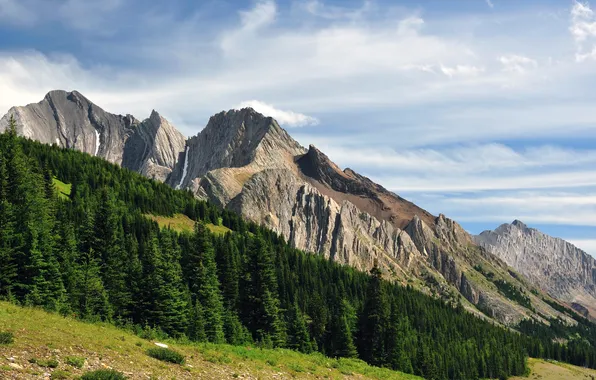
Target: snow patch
{"type": "Point", "coordinates": [184, 171]}
{"type": "Point", "coordinates": [162, 345]}
{"type": "Point", "coordinates": [96, 143]}
{"type": "Point", "coordinates": [57, 141]}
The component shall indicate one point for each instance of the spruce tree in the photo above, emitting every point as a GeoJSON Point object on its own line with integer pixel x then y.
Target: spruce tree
{"type": "Point", "coordinates": [298, 337]}
{"type": "Point", "coordinates": [260, 303]}
{"type": "Point", "coordinates": [374, 320]}
{"type": "Point", "coordinates": [206, 284]}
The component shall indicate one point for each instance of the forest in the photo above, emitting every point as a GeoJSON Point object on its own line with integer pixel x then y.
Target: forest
{"type": "Point", "coordinates": [95, 255]}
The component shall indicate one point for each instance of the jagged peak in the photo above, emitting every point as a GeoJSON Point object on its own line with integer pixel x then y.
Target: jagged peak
{"type": "Point", "coordinates": [519, 224]}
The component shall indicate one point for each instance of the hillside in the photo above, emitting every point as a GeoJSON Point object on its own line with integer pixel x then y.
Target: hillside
{"type": "Point", "coordinates": [552, 370]}
{"type": "Point", "coordinates": [246, 163]}
{"type": "Point", "coordinates": [94, 252]}
{"type": "Point", "coordinates": [42, 336]}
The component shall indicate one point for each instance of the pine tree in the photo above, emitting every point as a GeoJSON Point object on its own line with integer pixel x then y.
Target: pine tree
{"type": "Point", "coordinates": [8, 266]}
{"type": "Point", "coordinates": [342, 330]}
{"type": "Point", "coordinates": [373, 324]}
{"type": "Point", "coordinates": [92, 300]}
{"type": "Point", "coordinates": [165, 302]}
{"type": "Point", "coordinates": [206, 284]}
{"type": "Point", "coordinates": [298, 337]}
{"type": "Point", "coordinates": [260, 304]}
{"type": "Point", "coordinates": [108, 243]}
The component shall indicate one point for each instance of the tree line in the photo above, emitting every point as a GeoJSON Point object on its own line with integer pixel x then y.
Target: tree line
{"type": "Point", "coordinates": [95, 255]}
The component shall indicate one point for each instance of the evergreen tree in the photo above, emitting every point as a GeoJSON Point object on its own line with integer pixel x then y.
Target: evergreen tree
{"type": "Point", "coordinates": [298, 337]}
{"type": "Point", "coordinates": [260, 304]}
{"type": "Point", "coordinates": [205, 284]}
{"type": "Point", "coordinates": [373, 325]}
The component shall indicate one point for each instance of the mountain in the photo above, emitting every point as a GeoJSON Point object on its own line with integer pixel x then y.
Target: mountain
{"type": "Point", "coordinates": [556, 266]}
{"type": "Point", "coordinates": [247, 163]}
{"type": "Point", "coordinates": [102, 249]}
{"type": "Point", "coordinates": [70, 120]}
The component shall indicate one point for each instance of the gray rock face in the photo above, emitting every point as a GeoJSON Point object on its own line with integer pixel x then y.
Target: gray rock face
{"type": "Point", "coordinates": [558, 267]}
{"type": "Point", "coordinates": [247, 163]}
{"type": "Point", "coordinates": [70, 120]}
{"type": "Point", "coordinates": [244, 161]}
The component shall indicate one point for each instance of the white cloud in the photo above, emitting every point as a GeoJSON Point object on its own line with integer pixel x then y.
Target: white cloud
{"type": "Point", "coordinates": [583, 29]}
{"type": "Point", "coordinates": [462, 70]}
{"type": "Point", "coordinates": [517, 63]}
{"type": "Point", "coordinates": [490, 4]}
{"type": "Point", "coordinates": [285, 118]}
{"type": "Point", "coordinates": [320, 9]}
{"type": "Point", "coordinates": [261, 15]}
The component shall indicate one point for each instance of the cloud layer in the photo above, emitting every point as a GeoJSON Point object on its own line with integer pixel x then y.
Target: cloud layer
{"type": "Point", "coordinates": [465, 110]}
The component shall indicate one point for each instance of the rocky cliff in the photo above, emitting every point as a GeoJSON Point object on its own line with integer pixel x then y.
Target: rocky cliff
{"type": "Point", "coordinates": [70, 120]}
{"type": "Point", "coordinates": [246, 162]}
{"type": "Point", "coordinates": [558, 267]}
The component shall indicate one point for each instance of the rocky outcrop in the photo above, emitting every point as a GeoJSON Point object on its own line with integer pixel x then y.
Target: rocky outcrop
{"type": "Point", "coordinates": [153, 148]}
{"type": "Point", "coordinates": [246, 162]}
{"type": "Point", "coordinates": [70, 120]}
{"type": "Point", "coordinates": [556, 266]}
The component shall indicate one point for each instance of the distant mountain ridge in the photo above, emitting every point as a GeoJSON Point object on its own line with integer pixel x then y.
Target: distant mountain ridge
{"type": "Point", "coordinates": [246, 162]}
{"type": "Point", "coordinates": [553, 264]}
{"type": "Point", "coordinates": [70, 120]}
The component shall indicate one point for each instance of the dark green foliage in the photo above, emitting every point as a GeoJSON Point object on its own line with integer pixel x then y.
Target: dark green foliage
{"type": "Point", "coordinates": [6, 337]}
{"type": "Point", "coordinates": [95, 255]}
{"type": "Point", "coordinates": [298, 337]}
{"type": "Point", "coordinates": [166, 355]}
{"type": "Point", "coordinates": [103, 374]}
{"type": "Point", "coordinates": [514, 293]}
{"type": "Point", "coordinates": [75, 361]}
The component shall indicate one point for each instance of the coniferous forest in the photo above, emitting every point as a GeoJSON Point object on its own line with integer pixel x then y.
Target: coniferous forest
{"type": "Point", "coordinates": [94, 254]}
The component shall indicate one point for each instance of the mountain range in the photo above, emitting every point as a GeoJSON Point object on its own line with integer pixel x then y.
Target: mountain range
{"type": "Point", "coordinates": [247, 163]}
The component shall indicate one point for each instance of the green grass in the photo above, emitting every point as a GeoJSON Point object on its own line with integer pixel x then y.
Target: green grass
{"type": "Point", "coordinates": [6, 337]}
{"type": "Point", "coordinates": [75, 361]}
{"type": "Point", "coordinates": [63, 188]}
{"type": "Point", "coordinates": [166, 355]}
{"type": "Point", "coordinates": [103, 374]}
{"type": "Point", "coordinates": [43, 335]}
{"type": "Point", "coordinates": [183, 223]}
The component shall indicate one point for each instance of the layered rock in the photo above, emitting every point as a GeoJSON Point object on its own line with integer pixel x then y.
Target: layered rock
{"type": "Point", "coordinates": [556, 266]}
{"type": "Point", "coordinates": [246, 162]}
{"type": "Point", "coordinates": [70, 120]}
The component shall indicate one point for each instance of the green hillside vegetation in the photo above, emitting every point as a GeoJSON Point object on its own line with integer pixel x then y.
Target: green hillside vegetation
{"type": "Point", "coordinates": [62, 188]}
{"type": "Point", "coordinates": [77, 348]}
{"type": "Point", "coordinates": [182, 223]}
{"type": "Point", "coordinates": [96, 256]}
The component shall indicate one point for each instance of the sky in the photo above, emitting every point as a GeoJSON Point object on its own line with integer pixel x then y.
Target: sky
{"type": "Point", "coordinates": [482, 110]}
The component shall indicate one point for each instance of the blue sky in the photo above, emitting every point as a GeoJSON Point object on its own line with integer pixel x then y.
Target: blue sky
{"type": "Point", "coordinates": [482, 110]}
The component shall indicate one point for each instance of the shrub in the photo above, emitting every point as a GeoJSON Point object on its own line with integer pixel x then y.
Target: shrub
{"type": "Point", "coordinates": [49, 363]}
{"type": "Point", "coordinates": [75, 361]}
{"type": "Point", "coordinates": [166, 355]}
{"type": "Point", "coordinates": [103, 374]}
{"type": "Point", "coordinates": [6, 337]}
{"type": "Point", "coordinates": [60, 375]}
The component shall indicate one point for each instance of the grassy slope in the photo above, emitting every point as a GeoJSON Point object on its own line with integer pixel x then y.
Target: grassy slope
{"type": "Point", "coordinates": [45, 336]}
{"type": "Point", "coordinates": [183, 223]}
{"type": "Point", "coordinates": [63, 188]}
{"type": "Point", "coordinates": [551, 370]}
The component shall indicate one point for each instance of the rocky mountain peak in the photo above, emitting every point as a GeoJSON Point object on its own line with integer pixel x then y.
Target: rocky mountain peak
{"type": "Point", "coordinates": [519, 224]}
{"type": "Point", "coordinates": [550, 263]}
{"type": "Point", "coordinates": [70, 120]}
